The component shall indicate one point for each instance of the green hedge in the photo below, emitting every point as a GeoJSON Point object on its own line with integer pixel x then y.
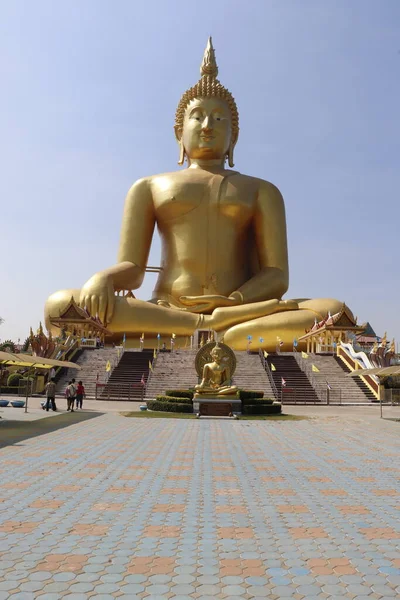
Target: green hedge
{"type": "Point", "coordinates": [14, 379]}
{"type": "Point", "coordinates": [246, 394]}
{"type": "Point", "coordinates": [258, 402]}
{"type": "Point", "coordinates": [169, 406]}
{"type": "Point", "coordinates": [180, 394]}
{"type": "Point", "coordinates": [174, 400]}
{"type": "Point", "coordinates": [5, 389]}
{"type": "Point", "coordinates": [263, 409]}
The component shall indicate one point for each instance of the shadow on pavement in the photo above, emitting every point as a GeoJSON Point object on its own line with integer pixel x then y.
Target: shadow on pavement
{"type": "Point", "coordinates": [12, 432]}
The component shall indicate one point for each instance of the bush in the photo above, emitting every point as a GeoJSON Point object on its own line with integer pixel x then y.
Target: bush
{"type": "Point", "coordinates": [246, 394]}
{"type": "Point", "coordinates": [14, 379]}
{"type": "Point", "coordinates": [8, 346]}
{"type": "Point", "coordinates": [180, 393]}
{"type": "Point", "coordinates": [258, 401]}
{"type": "Point", "coordinates": [174, 400]}
{"type": "Point", "coordinates": [10, 390]}
{"type": "Point", "coordinates": [169, 406]}
{"type": "Point", "coordinates": [262, 409]}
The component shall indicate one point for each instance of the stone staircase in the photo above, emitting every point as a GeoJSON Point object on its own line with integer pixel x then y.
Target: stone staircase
{"type": "Point", "coordinates": [345, 389]}
{"type": "Point", "coordinates": [125, 380]}
{"type": "Point", "coordinates": [92, 362]}
{"type": "Point", "coordinates": [298, 387]}
{"type": "Point", "coordinates": [250, 374]}
{"type": "Point", "coordinates": [172, 371]}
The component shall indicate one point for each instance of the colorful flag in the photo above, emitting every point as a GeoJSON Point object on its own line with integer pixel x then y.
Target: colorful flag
{"type": "Point", "coordinates": [150, 366]}
{"type": "Point", "coordinates": [273, 368]}
{"type": "Point", "coordinates": [314, 369]}
{"type": "Point", "coordinates": [280, 343]}
{"type": "Point", "coordinates": [158, 335]}
{"type": "Point", "coordinates": [154, 353]}
{"type": "Point", "coordinates": [143, 381]}
{"type": "Point", "coordinates": [173, 336]}
{"type": "Point", "coordinates": [295, 343]}
{"type": "Point", "coordinates": [328, 385]}
{"type": "Point", "coordinates": [265, 354]}
{"type": "Point", "coordinates": [283, 382]}
{"type": "Point", "coordinates": [108, 366]}
{"type": "Point", "coordinates": [261, 340]}
{"type": "Point", "coordinates": [124, 338]}
{"type": "Point", "coordinates": [304, 355]}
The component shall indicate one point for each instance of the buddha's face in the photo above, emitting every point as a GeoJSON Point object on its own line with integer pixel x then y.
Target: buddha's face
{"type": "Point", "coordinates": [207, 129]}
{"type": "Point", "coordinates": [216, 354]}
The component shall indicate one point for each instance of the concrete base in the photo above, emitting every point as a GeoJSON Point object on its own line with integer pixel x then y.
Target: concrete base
{"type": "Point", "coordinates": [216, 405]}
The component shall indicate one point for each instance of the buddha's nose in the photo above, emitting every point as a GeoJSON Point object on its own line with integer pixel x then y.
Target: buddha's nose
{"type": "Point", "coordinates": [207, 124]}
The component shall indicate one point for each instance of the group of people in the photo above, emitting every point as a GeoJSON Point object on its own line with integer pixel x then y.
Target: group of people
{"type": "Point", "coordinates": [73, 393]}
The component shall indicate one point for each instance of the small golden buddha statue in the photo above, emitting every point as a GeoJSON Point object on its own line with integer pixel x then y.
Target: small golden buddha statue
{"type": "Point", "coordinates": [224, 264]}
{"type": "Point", "coordinates": [216, 377]}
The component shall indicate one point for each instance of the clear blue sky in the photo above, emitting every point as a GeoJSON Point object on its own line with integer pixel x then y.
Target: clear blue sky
{"type": "Point", "coordinates": [89, 92]}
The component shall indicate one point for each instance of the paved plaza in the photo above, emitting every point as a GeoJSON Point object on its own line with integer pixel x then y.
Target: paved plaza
{"type": "Point", "coordinates": [115, 507]}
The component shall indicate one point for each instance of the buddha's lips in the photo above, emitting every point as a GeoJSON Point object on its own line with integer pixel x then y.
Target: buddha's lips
{"type": "Point", "coordinates": [207, 137]}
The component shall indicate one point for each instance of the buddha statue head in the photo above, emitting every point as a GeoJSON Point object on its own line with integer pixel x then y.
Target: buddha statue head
{"type": "Point", "coordinates": [207, 119]}
{"type": "Point", "coordinates": [217, 353]}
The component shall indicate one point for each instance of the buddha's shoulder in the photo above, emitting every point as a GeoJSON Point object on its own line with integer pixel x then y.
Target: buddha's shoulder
{"type": "Point", "coordinates": [264, 188]}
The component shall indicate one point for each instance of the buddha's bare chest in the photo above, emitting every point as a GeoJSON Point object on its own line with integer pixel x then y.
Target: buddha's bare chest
{"type": "Point", "coordinates": [177, 198]}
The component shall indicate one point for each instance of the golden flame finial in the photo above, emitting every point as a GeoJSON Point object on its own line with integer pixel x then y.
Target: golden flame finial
{"type": "Point", "coordinates": [209, 64]}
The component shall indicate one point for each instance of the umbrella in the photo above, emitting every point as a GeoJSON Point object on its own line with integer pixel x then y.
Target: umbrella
{"type": "Point", "coordinates": [380, 371]}
{"type": "Point", "coordinates": [27, 360]}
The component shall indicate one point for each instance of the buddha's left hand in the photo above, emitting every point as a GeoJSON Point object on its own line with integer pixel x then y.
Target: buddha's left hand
{"type": "Point", "coordinates": [204, 304]}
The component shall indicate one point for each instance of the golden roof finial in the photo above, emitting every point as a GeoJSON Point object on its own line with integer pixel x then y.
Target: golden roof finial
{"type": "Point", "coordinates": [209, 64]}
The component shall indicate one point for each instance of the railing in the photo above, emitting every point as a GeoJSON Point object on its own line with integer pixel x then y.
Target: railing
{"type": "Point", "coordinates": [392, 396]}
{"type": "Point", "coordinates": [359, 360]}
{"type": "Point", "coordinates": [325, 394]}
{"type": "Point", "coordinates": [114, 362]}
{"type": "Point", "coordinates": [88, 343]}
{"type": "Point", "coordinates": [265, 364]}
{"type": "Point", "coordinates": [120, 391]}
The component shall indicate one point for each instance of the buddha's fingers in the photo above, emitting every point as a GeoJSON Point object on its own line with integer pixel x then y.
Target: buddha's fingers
{"type": "Point", "coordinates": [103, 308]}
{"type": "Point", "coordinates": [110, 306]}
{"type": "Point", "coordinates": [94, 305]}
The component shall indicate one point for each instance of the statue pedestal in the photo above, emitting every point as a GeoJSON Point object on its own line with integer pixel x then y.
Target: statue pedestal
{"type": "Point", "coordinates": [216, 406]}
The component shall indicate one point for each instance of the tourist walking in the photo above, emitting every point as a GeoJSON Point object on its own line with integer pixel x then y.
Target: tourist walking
{"type": "Point", "coordinates": [80, 394]}
{"type": "Point", "coordinates": [70, 393]}
{"type": "Point", "coordinates": [51, 395]}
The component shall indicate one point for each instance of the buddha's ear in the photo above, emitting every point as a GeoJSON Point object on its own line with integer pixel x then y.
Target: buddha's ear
{"type": "Point", "coordinates": [178, 136]}
{"type": "Point", "coordinates": [230, 155]}
{"type": "Point", "coordinates": [178, 133]}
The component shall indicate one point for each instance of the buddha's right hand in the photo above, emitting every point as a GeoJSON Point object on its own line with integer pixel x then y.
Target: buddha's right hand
{"type": "Point", "coordinates": [98, 297]}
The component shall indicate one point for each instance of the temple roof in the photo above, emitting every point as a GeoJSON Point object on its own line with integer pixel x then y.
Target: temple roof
{"type": "Point", "coordinates": [80, 316]}
{"type": "Point", "coordinates": [340, 321]}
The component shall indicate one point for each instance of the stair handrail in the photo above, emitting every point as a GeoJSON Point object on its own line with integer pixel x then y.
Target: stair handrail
{"type": "Point", "coordinates": [149, 376]}
{"type": "Point", "coordinates": [320, 389]}
{"type": "Point", "coordinates": [265, 364]}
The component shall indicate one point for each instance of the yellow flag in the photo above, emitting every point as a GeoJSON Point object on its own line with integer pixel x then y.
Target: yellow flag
{"type": "Point", "coordinates": [314, 369]}
{"type": "Point", "coordinates": [304, 355]}
{"type": "Point", "coordinates": [108, 366]}
{"type": "Point", "coordinates": [273, 368]}
{"type": "Point", "coordinates": [265, 354]}
{"type": "Point", "coordinates": [154, 353]}
{"type": "Point", "coordinates": [173, 336]}
{"type": "Point", "coordinates": [150, 366]}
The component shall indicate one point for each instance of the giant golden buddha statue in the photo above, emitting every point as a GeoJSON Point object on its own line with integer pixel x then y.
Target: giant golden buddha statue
{"type": "Point", "coordinates": [224, 263]}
